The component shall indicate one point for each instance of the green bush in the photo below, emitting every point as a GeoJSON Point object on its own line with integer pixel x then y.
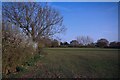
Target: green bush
{"type": "Point", "coordinates": [20, 68]}
{"type": "Point", "coordinates": [32, 60]}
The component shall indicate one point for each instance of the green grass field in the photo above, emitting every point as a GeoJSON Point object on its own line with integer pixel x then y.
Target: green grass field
{"type": "Point", "coordinates": [75, 62]}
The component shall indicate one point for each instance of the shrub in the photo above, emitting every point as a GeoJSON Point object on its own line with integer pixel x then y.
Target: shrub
{"type": "Point", "coordinates": [20, 68]}
{"type": "Point", "coordinates": [15, 50]}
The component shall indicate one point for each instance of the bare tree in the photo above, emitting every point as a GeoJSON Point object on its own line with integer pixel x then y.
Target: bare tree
{"type": "Point", "coordinates": [84, 40]}
{"type": "Point", "coordinates": [36, 20]}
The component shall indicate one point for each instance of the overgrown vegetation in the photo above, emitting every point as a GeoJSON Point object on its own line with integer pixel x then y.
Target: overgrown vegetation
{"type": "Point", "coordinates": [25, 67]}
{"type": "Point", "coordinates": [16, 49]}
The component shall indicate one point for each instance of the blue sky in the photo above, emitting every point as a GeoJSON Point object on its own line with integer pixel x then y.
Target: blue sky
{"type": "Point", "coordinates": [94, 19]}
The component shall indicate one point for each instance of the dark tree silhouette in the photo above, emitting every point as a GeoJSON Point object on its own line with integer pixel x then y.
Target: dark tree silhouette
{"type": "Point", "coordinates": [102, 43]}
{"type": "Point", "coordinates": [113, 44]}
{"type": "Point", "coordinates": [74, 43]}
{"type": "Point", "coordinates": [66, 43]}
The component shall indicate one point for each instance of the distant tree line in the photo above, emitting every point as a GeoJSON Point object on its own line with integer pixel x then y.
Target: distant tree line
{"type": "Point", "coordinates": [85, 42]}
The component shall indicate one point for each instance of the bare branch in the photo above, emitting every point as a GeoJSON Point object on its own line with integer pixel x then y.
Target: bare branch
{"type": "Point", "coordinates": [34, 19]}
